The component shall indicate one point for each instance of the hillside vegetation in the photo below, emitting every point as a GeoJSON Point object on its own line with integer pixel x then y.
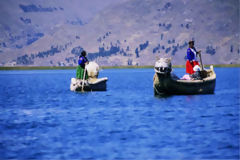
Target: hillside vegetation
{"type": "Point", "coordinates": [125, 33]}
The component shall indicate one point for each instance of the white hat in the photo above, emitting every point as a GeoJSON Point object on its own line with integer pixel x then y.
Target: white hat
{"type": "Point", "coordinates": [196, 68]}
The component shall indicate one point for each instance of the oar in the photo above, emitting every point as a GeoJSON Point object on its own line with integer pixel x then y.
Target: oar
{"type": "Point", "coordinates": [203, 72]}
{"type": "Point", "coordinates": [83, 80]}
{"type": "Point", "coordinates": [200, 56]}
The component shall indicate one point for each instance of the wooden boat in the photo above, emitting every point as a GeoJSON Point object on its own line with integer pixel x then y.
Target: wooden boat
{"type": "Point", "coordinates": [89, 85]}
{"type": "Point", "coordinates": [167, 83]}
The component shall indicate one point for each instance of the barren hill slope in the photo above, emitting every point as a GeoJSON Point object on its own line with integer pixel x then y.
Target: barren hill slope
{"type": "Point", "coordinates": [136, 32]}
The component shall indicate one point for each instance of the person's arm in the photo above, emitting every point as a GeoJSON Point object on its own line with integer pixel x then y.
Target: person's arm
{"type": "Point", "coordinates": [198, 52]}
{"type": "Point", "coordinates": [80, 61]}
{"type": "Point", "coordinates": [86, 60]}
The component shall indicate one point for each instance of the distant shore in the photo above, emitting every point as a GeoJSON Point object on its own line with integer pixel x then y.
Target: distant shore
{"type": "Point", "coordinates": [103, 67]}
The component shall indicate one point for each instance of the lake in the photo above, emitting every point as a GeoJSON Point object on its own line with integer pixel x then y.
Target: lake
{"type": "Point", "coordinates": [40, 118]}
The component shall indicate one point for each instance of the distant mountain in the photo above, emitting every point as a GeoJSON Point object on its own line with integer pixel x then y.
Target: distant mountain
{"type": "Point", "coordinates": [130, 32]}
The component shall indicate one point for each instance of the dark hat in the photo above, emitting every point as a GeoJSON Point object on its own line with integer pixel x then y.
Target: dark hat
{"type": "Point", "coordinates": [191, 42]}
{"type": "Point", "coordinates": [83, 53]}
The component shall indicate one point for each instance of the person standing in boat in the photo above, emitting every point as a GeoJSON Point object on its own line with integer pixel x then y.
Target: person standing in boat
{"type": "Point", "coordinates": [191, 58]}
{"type": "Point", "coordinates": [82, 61]}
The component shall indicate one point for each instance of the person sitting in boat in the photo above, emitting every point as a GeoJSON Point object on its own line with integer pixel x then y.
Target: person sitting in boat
{"type": "Point", "coordinates": [197, 74]}
{"type": "Point", "coordinates": [191, 58]}
{"type": "Point", "coordinates": [82, 61]}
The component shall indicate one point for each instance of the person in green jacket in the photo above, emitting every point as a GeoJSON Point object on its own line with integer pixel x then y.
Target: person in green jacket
{"type": "Point", "coordinates": [82, 61]}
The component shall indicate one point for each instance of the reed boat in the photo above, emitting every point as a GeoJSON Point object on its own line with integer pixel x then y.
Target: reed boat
{"type": "Point", "coordinates": [93, 83]}
{"type": "Point", "coordinates": [89, 85]}
{"type": "Point", "coordinates": [165, 82]}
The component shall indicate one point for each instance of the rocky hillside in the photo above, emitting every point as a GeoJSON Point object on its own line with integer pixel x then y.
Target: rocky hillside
{"type": "Point", "coordinates": [130, 32]}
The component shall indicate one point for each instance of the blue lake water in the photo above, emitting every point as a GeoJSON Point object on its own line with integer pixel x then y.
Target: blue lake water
{"type": "Point", "coordinates": [40, 118]}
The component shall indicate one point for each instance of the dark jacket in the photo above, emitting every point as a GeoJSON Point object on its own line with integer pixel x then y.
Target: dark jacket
{"type": "Point", "coordinates": [196, 75]}
{"type": "Point", "coordinates": [82, 60]}
{"type": "Point", "coordinates": [190, 54]}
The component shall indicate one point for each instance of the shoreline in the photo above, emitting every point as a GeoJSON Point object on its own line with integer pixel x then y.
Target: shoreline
{"type": "Point", "coordinates": [103, 67]}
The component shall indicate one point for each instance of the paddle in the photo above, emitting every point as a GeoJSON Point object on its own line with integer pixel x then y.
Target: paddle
{"type": "Point", "coordinates": [200, 56]}
{"type": "Point", "coordinates": [83, 79]}
{"type": "Point", "coordinates": [203, 72]}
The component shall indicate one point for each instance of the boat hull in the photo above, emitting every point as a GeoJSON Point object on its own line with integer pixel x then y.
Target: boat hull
{"type": "Point", "coordinates": [168, 84]}
{"type": "Point", "coordinates": [90, 85]}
